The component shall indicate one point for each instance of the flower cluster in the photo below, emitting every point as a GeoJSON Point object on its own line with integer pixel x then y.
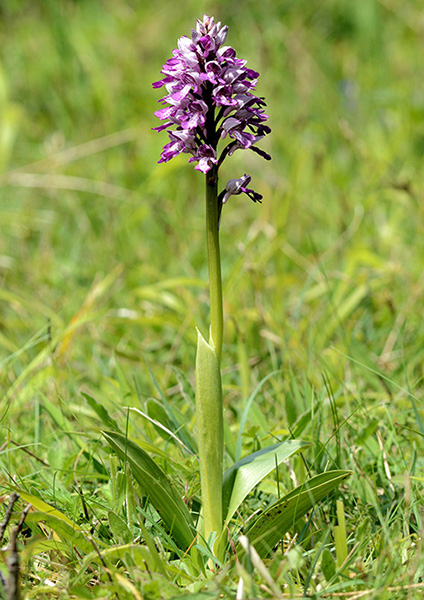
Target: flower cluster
{"type": "Point", "coordinates": [209, 97]}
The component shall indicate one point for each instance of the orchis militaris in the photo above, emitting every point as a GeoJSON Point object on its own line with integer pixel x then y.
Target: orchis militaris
{"type": "Point", "coordinates": [210, 98]}
{"type": "Point", "coordinates": [210, 103]}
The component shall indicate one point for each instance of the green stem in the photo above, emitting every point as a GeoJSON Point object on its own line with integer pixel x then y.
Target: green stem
{"type": "Point", "coordinates": [209, 411]}
{"type": "Point", "coordinates": [210, 436]}
{"type": "Point", "coordinates": [214, 263]}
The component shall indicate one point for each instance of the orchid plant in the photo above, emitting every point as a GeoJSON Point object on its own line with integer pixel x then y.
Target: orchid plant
{"type": "Point", "coordinates": [209, 92]}
{"type": "Point", "coordinates": [210, 112]}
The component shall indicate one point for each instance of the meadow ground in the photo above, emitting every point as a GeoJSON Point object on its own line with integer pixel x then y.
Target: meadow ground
{"type": "Point", "coordinates": [103, 279]}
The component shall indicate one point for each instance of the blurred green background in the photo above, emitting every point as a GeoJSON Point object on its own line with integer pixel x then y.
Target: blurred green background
{"type": "Point", "coordinates": [102, 250]}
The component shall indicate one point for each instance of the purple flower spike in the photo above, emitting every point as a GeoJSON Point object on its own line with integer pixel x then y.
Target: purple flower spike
{"type": "Point", "coordinates": [210, 101]}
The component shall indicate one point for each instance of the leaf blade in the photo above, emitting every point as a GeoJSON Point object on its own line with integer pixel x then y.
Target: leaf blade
{"type": "Point", "coordinates": [70, 534]}
{"type": "Point", "coordinates": [45, 508]}
{"type": "Point", "coordinates": [245, 474]}
{"type": "Point", "coordinates": [274, 522]}
{"type": "Point", "coordinates": [157, 486]}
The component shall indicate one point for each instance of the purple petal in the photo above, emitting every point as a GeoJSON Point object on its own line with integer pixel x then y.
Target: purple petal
{"type": "Point", "coordinates": [165, 113]}
{"type": "Point", "coordinates": [185, 44]}
{"type": "Point", "coordinates": [204, 165]}
{"type": "Point", "coordinates": [162, 127]}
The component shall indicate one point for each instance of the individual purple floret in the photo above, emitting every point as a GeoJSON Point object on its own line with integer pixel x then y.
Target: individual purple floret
{"type": "Point", "coordinates": [210, 99]}
{"type": "Point", "coordinates": [238, 186]}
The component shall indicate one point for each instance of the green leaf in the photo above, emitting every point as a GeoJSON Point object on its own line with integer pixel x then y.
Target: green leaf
{"type": "Point", "coordinates": [101, 411]}
{"type": "Point", "coordinates": [119, 528]}
{"type": "Point", "coordinates": [158, 562]}
{"type": "Point", "coordinates": [245, 474]}
{"type": "Point", "coordinates": [301, 423]}
{"type": "Point", "coordinates": [66, 425]}
{"type": "Point", "coordinates": [40, 546]}
{"type": "Point", "coordinates": [156, 485]}
{"type": "Point", "coordinates": [166, 433]}
{"type": "Point", "coordinates": [69, 533]}
{"type": "Point", "coordinates": [158, 413]}
{"type": "Point", "coordinates": [45, 508]}
{"type": "Point", "coordinates": [274, 522]}
{"type": "Point", "coordinates": [328, 564]}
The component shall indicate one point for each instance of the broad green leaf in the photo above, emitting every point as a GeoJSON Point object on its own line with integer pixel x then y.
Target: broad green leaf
{"type": "Point", "coordinates": [156, 485]}
{"type": "Point", "coordinates": [274, 522]}
{"type": "Point", "coordinates": [245, 474]}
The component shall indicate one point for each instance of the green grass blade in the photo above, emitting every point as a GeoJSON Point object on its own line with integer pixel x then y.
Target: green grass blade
{"type": "Point", "coordinates": [158, 562]}
{"type": "Point", "coordinates": [165, 432]}
{"type": "Point", "coordinates": [274, 522]}
{"type": "Point", "coordinates": [178, 425]}
{"type": "Point", "coordinates": [101, 411]}
{"type": "Point", "coordinates": [245, 474]}
{"type": "Point", "coordinates": [66, 425]}
{"type": "Point", "coordinates": [45, 508]}
{"type": "Point", "coordinates": [71, 535]}
{"type": "Point", "coordinates": [246, 410]}
{"type": "Point", "coordinates": [157, 486]}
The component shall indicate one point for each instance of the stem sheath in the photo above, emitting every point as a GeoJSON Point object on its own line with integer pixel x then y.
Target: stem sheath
{"type": "Point", "coordinates": [210, 435]}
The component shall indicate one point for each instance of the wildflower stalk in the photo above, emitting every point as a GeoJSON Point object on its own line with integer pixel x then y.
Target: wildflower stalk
{"type": "Point", "coordinates": [209, 408]}
{"type": "Point", "coordinates": [214, 263]}
{"type": "Point", "coordinates": [211, 102]}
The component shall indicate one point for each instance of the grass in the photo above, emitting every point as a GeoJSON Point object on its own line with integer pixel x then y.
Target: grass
{"type": "Point", "coordinates": [103, 279]}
